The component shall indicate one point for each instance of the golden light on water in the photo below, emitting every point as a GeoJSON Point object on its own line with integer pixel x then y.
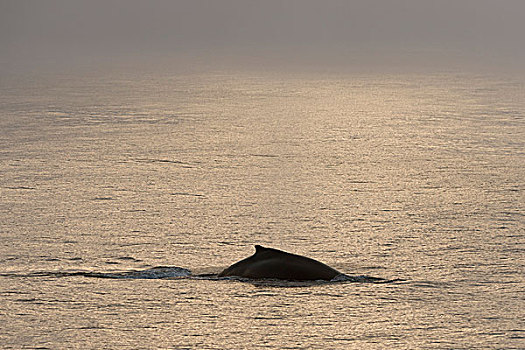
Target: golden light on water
{"type": "Point", "coordinates": [415, 177]}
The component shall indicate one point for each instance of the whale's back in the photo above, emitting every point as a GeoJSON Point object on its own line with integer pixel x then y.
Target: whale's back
{"type": "Point", "coordinates": [274, 263]}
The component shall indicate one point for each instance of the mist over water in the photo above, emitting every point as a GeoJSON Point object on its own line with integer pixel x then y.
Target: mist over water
{"type": "Point", "coordinates": [334, 35]}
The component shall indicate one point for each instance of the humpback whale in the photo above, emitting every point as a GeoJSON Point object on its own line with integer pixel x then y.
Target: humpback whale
{"type": "Point", "coordinates": [277, 264]}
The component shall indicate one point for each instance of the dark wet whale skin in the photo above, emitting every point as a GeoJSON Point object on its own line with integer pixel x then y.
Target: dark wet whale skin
{"type": "Point", "coordinates": [274, 263]}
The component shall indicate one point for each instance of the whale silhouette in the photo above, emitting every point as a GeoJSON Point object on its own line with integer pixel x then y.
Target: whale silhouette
{"type": "Point", "coordinates": [277, 264]}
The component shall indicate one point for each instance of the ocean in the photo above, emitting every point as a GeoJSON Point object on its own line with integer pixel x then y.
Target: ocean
{"type": "Point", "coordinates": [119, 189]}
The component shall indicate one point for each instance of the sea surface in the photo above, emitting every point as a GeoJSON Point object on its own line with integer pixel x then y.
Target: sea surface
{"type": "Point", "coordinates": [118, 190]}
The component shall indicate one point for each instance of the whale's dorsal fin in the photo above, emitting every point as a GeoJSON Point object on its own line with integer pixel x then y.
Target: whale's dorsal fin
{"type": "Point", "coordinates": [260, 249]}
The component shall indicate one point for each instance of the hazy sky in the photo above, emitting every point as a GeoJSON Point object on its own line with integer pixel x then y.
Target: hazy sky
{"type": "Point", "coordinates": [312, 32]}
